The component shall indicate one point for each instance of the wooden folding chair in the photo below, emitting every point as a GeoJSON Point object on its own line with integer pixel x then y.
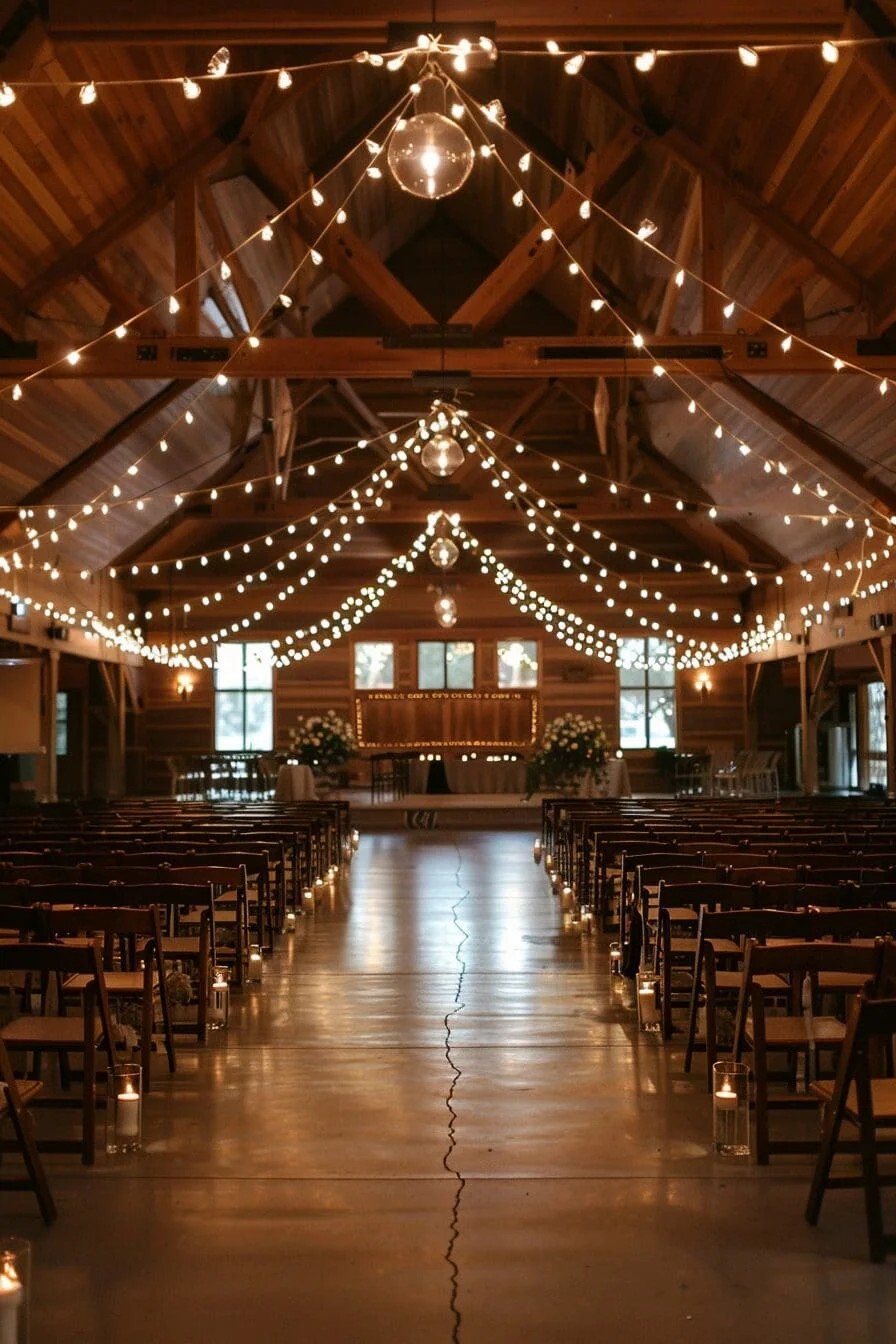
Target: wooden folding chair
{"type": "Point", "coordinates": [16, 1096]}
{"type": "Point", "coordinates": [869, 1104]}
{"type": "Point", "coordinates": [61, 1033]}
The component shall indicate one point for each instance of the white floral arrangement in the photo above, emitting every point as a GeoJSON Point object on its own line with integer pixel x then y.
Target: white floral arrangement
{"type": "Point", "coordinates": [323, 741]}
{"type": "Point", "coordinates": [573, 748]}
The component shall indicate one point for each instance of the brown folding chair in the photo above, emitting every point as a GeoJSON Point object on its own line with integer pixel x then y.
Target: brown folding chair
{"type": "Point", "coordinates": [16, 1096]}
{"type": "Point", "coordinates": [61, 1033]}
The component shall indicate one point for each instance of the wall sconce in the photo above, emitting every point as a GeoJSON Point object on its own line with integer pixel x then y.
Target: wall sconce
{"type": "Point", "coordinates": [184, 686]}
{"type": "Point", "coordinates": [703, 685]}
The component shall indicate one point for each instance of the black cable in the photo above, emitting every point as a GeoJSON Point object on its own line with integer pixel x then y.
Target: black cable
{"type": "Point", "coordinates": [454, 1226]}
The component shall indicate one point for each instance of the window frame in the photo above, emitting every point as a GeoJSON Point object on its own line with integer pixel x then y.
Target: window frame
{"type": "Point", "coordinates": [645, 690]}
{"type": "Point", "coordinates": [393, 684]}
{"type": "Point", "coordinates": [444, 645]}
{"type": "Point", "coordinates": [245, 691]}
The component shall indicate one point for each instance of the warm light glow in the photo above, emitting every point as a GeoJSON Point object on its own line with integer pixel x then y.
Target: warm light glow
{"type": "Point", "coordinates": [748, 56]}
{"type": "Point", "coordinates": [645, 61]}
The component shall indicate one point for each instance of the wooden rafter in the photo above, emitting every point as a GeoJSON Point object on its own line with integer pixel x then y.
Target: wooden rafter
{"type": "Point", "coordinates": [533, 257]}
{"type": "Point", "coordinates": [686, 239]}
{"type": "Point", "coordinates": [712, 238]}
{"type": "Point", "coordinates": [345, 253]}
{"type": "Point", "coordinates": [186, 257]}
{"type": "Point", "coordinates": [823, 448]}
{"type": "Point", "coordinates": [245, 286]}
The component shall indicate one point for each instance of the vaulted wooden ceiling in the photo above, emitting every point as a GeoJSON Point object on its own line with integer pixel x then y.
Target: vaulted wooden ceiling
{"type": "Point", "coordinates": [770, 187]}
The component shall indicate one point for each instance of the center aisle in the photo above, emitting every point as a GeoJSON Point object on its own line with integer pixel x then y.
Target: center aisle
{"type": "Point", "coordinates": [298, 1180]}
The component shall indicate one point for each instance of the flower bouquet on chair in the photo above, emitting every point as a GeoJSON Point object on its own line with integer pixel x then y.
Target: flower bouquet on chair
{"type": "Point", "coordinates": [325, 742]}
{"type": "Point", "coordinates": [572, 757]}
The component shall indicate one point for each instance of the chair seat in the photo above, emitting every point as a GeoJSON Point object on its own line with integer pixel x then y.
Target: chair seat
{"type": "Point", "coordinates": [837, 981]}
{"type": "Point", "coordinates": [883, 1098]}
{"type": "Point", "coordinates": [117, 982]}
{"type": "Point", "coordinates": [797, 1033]}
{"type": "Point", "coordinates": [46, 1033]}
{"type": "Point", "coordinates": [681, 947]}
{"type": "Point", "coordinates": [772, 984]}
{"type": "Point", "coordinates": [28, 1089]}
{"type": "Point", "coordinates": [182, 946]}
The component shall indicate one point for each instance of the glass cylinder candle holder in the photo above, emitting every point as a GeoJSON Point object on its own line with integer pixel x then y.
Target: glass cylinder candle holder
{"type": "Point", "coordinates": [586, 918]}
{"type": "Point", "coordinates": [256, 964]}
{"type": "Point", "coordinates": [730, 1109]}
{"type": "Point", "coordinates": [648, 1008]}
{"type": "Point", "coordinates": [15, 1284]}
{"type": "Point", "coordinates": [615, 958]}
{"type": "Point", "coordinates": [219, 1001]}
{"type": "Point", "coordinates": [318, 889]}
{"type": "Point", "coordinates": [549, 862]}
{"type": "Point", "coordinates": [290, 921]}
{"type": "Point", "coordinates": [536, 851]}
{"type": "Point", "coordinates": [355, 840]}
{"type": "Point", "coordinates": [308, 901]}
{"type": "Point", "coordinates": [124, 1112]}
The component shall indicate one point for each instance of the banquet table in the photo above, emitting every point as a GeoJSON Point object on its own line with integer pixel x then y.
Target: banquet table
{"type": "Point", "coordinates": [294, 783]}
{"type": "Point", "coordinates": [618, 784]}
{"type": "Point", "coordinates": [477, 774]}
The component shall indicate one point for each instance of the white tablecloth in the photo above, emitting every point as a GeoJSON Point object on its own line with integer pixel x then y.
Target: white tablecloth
{"type": "Point", "coordinates": [294, 783]}
{"type": "Point", "coordinates": [618, 785]}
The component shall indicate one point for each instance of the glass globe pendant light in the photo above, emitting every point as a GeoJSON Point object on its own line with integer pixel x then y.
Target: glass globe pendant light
{"type": "Point", "coordinates": [441, 455]}
{"type": "Point", "coordinates": [429, 154]}
{"type": "Point", "coordinates": [446, 612]}
{"type": "Point", "coordinates": [443, 553]}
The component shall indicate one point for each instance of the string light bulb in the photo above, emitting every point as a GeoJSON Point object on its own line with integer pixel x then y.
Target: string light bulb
{"type": "Point", "coordinates": [219, 64]}
{"type": "Point", "coordinates": [430, 155]}
{"type": "Point", "coordinates": [830, 52]}
{"type": "Point", "coordinates": [7, 95]}
{"type": "Point", "coordinates": [749, 56]}
{"type": "Point", "coordinates": [284, 80]}
{"type": "Point", "coordinates": [645, 61]}
{"type": "Point", "coordinates": [646, 229]}
{"type": "Point", "coordinates": [191, 89]}
{"type": "Point", "coordinates": [87, 94]}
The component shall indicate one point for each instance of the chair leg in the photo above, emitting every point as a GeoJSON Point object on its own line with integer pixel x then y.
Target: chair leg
{"type": "Point", "coordinates": [23, 1125]}
{"type": "Point", "coordinates": [830, 1134]}
{"type": "Point", "coordinates": [871, 1178]}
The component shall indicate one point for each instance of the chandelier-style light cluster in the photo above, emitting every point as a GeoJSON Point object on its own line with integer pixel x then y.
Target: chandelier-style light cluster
{"type": "Point", "coordinates": [429, 154]}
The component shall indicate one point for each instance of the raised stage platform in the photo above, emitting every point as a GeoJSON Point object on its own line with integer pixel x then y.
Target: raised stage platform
{"type": "Point", "coordinates": [445, 812]}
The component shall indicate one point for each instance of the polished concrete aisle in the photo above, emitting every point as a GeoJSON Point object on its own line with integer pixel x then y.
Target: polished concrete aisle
{"type": "Point", "coordinates": [329, 1170]}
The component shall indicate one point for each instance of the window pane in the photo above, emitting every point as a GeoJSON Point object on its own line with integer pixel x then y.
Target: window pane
{"type": "Point", "coordinates": [517, 662]}
{"type": "Point", "coordinates": [661, 706]}
{"type": "Point", "coordinates": [229, 667]}
{"type": "Point", "coordinates": [632, 724]}
{"type": "Point", "coordinates": [229, 721]}
{"type": "Point", "coordinates": [877, 729]}
{"type": "Point", "coordinates": [375, 666]}
{"type": "Point", "coordinates": [259, 667]}
{"type": "Point", "coordinates": [259, 721]}
{"type": "Point", "coordinates": [431, 665]}
{"type": "Point", "coordinates": [62, 723]}
{"type": "Point", "coordinates": [633, 676]}
{"type": "Point", "coordinates": [459, 665]}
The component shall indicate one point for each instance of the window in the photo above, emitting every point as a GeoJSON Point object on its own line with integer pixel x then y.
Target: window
{"type": "Point", "coordinates": [876, 730]}
{"type": "Point", "coordinates": [445, 665]}
{"type": "Point", "coordinates": [374, 666]}
{"type": "Point", "coordinates": [244, 698]}
{"type": "Point", "coordinates": [517, 663]}
{"type": "Point", "coordinates": [646, 693]}
{"type": "Point", "coordinates": [62, 723]}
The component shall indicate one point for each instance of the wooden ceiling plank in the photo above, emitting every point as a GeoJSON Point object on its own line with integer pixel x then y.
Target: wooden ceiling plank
{"type": "Point", "coordinates": [243, 283]}
{"type": "Point", "coordinates": [532, 257]}
{"type": "Point", "coordinates": [672, 140]}
{"type": "Point", "coordinates": [878, 495]}
{"type": "Point", "coordinates": [777, 294]}
{"type": "Point", "coordinates": [868, 21]}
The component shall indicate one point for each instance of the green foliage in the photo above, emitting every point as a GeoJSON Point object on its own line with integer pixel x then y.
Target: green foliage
{"type": "Point", "coordinates": [573, 748]}
{"type": "Point", "coordinates": [323, 740]}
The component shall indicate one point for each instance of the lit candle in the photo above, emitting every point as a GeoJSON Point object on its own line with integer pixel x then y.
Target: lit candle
{"type": "Point", "coordinates": [255, 962]}
{"type": "Point", "coordinates": [356, 840]}
{"type": "Point", "coordinates": [12, 1295]}
{"type": "Point", "coordinates": [290, 921]}
{"type": "Point", "coordinates": [536, 851]}
{"type": "Point", "coordinates": [127, 1121]}
{"type": "Point", "coordinates": [726, 1098]}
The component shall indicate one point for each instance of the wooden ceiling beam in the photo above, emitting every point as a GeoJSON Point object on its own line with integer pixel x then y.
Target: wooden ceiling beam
{"type": "Point", "coordinates": [676, 142]}
{"type": "Point", "coordinates": [712, 242]}
{"type": "Point", "coordinates": [344, 252]}
{"type": "Point", "coordinates": [706, 354]}
{"type": "Point", "coordinates": [832, 454]}
{"type": "Point", "coordinates": [532, 258]}
{"type": "Point", "coordinates": [517, 22]}
{"type": "Point", "coordinates": [866, 20]}
{"type": "Point", "coordinates": [186, 258]}
{"type": "Point", "coordinates": [245, 287]}
{"type": "Point", "coordinates": [683, 250]}
{"type": "Point", "coordinates": [478, 509]}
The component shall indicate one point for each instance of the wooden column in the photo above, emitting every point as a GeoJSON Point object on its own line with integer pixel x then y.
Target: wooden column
{"type": "Point", "coordinates": [712, 226]}
{"type": "Point", "coordinates": [46, 781]}
{"type": "Point", "coordinates": [114, 683]}
{"type": "Point", "coordinates": [809, 728]}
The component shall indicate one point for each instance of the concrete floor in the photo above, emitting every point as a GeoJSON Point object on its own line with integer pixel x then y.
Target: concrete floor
{"type": "Point", "coordinates": [299, 1176]}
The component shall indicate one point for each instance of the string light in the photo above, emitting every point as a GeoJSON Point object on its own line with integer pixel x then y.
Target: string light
{"type": "Point", "coordinates": [749, 56]}
{"type": "Point", "coordinates": [87, 94]}
{"type": "Point", "coordinates": [192, 90]}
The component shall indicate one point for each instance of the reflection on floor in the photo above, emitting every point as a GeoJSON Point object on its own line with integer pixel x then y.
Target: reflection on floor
{"type": "Point", "coordinates": [330, 1169]}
